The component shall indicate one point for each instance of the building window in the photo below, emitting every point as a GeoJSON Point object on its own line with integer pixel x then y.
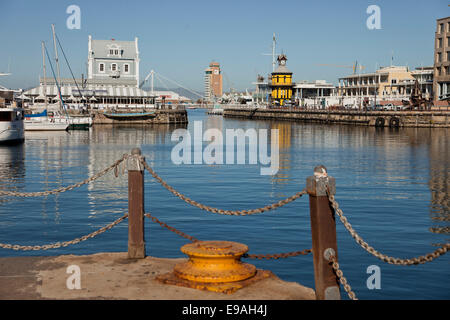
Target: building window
{"type": "Point", "coordinates": [441, 28]}
{"type": "Point", "coordinates": [394, 81]}
{"type": "Point", "coordinates": [126, 68]}
{"type": "Point", "coordinates": [113, 67]}
{"type": "Point", "coordinates": [111, 52]}
{"type": "Point", "coordinates": [439, 43]}
{"type": "Point", "coordinates": [101, 67]}
{"type": "Point", "coordinates": [439, 57]}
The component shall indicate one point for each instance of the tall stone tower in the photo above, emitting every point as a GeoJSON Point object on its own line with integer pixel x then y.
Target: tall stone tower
{"type": "Point", "coordinates": [213, 82]}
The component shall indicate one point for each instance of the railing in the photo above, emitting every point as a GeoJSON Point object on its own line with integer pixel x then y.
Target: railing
{"type": "Point", "coordinates": [320, 187]}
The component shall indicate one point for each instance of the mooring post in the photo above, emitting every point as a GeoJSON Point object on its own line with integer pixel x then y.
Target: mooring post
{"type": "Point", "coordinates": [136, 243]}
{"type": "Point", "coordinates": [323, 233]}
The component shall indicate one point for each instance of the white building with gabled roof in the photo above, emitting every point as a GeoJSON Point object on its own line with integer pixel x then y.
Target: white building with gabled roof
{"type": "Point", "coordinates": [112, 81]}
{"type": "Point", "coordinates": [113, 60]}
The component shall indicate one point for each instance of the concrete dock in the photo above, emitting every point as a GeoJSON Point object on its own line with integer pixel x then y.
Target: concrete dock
{"type": "Point", "coordinates": [113, 276]}
{"type": "Point", "coordinates": [416, 119]}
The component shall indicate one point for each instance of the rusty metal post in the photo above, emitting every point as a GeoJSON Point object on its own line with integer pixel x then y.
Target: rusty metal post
{"type": "Point", "coordinates": [136, 243]}
{"type": "Point", "coordinates": [323, 233]}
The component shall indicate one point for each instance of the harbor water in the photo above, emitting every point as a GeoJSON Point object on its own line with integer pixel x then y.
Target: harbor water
{"type": "Point", "coordinates": [392, 184]}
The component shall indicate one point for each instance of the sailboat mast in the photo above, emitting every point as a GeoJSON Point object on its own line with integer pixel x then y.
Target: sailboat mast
{"type": "Point", "coordinates": [56, 59]}
{"type": "Point", "coordinates": [273, 52]}
{"type": "Point", "coordinates": [152, 82]}
{"type": "Point", "coordinates": [45, 74]}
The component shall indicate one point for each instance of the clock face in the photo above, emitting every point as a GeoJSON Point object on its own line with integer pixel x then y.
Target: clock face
{"type": "Point", "coordinates": [216, 71]}
{"type": "Point", "coordinates": [283, 62]}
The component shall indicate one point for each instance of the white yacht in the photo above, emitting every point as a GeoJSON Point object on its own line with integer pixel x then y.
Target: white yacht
{"type": "Point", "coordinates": [45, 124]}
{"type": "Point", "coordinates": [11, 125]}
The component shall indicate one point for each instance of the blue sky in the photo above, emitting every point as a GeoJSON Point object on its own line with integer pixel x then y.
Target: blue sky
{"type": "Point", "coordinates": [180, 38]}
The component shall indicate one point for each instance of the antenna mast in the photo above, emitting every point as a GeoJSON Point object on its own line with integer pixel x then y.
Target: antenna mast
{"type": "Point", "coordinates": [56, 59]}
{"type": "Point", "coordinates": [274, 43]}
{"type": "Point", "coordinates": [45, 74]}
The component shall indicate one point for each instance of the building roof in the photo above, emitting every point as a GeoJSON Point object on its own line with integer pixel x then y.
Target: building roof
{"type": "Point", "coordinates": [382, 71]}
{"type": "Point", "coordinates": [100, 48]}
{"type": "Point", "coordinates": [443, 19]}
{"type": "Point", "coordinates": [282, 69]}
{"type": "Point", "coordinates": [101, 91]}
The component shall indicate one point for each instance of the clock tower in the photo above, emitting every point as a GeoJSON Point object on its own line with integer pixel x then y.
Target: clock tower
{"type": "Point", "coordinates": [281, 84]}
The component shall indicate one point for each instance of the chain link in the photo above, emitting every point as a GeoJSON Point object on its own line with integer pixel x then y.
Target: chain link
{"type": "Point", "coordinates": [71, 187]}
{"type": "Point", "coordinates": [165, 225]}
{"type": "Point", "coordinates": [66, 243]}
{"type": "Point", "coordinates": [220, 211]}
{"type": "Point", "coordinates": [278, 255]}
{"type": "Point", "coordinates": [342, 279]}
{"type": "Point", "coordinates": [391, 260]}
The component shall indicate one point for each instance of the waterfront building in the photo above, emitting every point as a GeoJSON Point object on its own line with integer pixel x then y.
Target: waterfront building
{"type": "Point", "coordinates": [305, 92]}
{"type": "Point", "coordinates": [112, 81]}
{"type": "Point", "coordinates": [441, 82]}
{"type": "Point", "coordinates": [314, 89]}
{"type": "Point", "coordinates": [384, 84]}
{"type": "Point", "coordinates": [262, 92]}
{"type": "Point", "coordinates": [114, 61]}
{"type": "Point", "coordinates": [424, 76]}
{"type": "Point", "coordinates": [281, 83]}
{"type": "Point", "coordinates": [213, 82]}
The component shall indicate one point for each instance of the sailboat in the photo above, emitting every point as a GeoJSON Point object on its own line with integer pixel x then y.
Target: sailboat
{"type": "Point", "coordinates": [41, 122]}
{"type": "Point", "coordinates": [75, 122]}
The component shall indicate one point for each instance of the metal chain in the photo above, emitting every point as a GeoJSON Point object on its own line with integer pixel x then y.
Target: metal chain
{"type": "Point", "coordinates": [250, 256]}
{"type": "Point", "coordinates": [391, 260]}
{"type": "Point", "coordinates": [278, 255]}
{"type": "Point", "coordinates": [220, 211]}
{"type": "Point", "coordinates": [342, 279]}
{"type": "Point", "coordinates": [165, 225]}
{"type": "Point", "coordinates": [71, 187]}
{"type": "Point", "coordinates": [66, 243]}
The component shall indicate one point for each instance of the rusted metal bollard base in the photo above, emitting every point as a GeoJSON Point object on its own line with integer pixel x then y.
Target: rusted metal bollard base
{"type": "Point", "coordinates": [214, 266]}
{"type": "Point", "coordinates": [221, 287]}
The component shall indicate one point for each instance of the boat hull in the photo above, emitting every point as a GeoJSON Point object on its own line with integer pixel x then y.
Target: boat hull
{"type": "Point", "coordinates": [130, 116]}
{"type": "Point", "coordinates": [76, 123]}
{"type": "Point", "coordinates": [45, 126]}
{"type": "Point", "coordinates": [12, 132]}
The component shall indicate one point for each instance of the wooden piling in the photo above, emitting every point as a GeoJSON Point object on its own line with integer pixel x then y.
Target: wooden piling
{"type": "Point", "coordinates": [323, 233]}
{"type": "Point", "coordinates": [136, 243]}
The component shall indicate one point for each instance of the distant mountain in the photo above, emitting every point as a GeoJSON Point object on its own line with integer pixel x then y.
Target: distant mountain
{"type": "Point", "coordinates": [180, 91]}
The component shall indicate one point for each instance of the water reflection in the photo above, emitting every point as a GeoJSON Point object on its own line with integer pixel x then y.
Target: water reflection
{"type": "Point", "coordinates": [108, 143]}
{"type": "Point", "coordinates": [440, 181]}
{"type": "Point", "coordinates": [376, 156]}
{"type": "Point", "coordinates": [12, 168]}
{"type": "Point", "coordinates": [284, 143]}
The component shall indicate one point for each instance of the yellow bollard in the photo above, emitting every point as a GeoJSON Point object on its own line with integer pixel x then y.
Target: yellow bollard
{"type": "Point", "coordinates": [214, 266]}
{"type": "Point", "coordinates": [214, 261]}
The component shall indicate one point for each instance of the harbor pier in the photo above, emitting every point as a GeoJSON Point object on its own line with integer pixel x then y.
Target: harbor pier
{"type": "Point", "coordinates": [417, 119]}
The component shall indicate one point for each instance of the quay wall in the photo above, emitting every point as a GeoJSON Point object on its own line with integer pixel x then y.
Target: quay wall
{"type": "Point", "coordinates": [163, 116]}
{"type": "Point", "coordinates": [426, 119]}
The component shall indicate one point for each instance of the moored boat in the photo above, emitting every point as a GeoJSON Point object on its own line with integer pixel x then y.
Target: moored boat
{"type": "Point", "coordinates": [131, 116]}
{"type": "Point", "coordinates": [45, 124]}
{"type": "Point", "coordinates": [11, 125]}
